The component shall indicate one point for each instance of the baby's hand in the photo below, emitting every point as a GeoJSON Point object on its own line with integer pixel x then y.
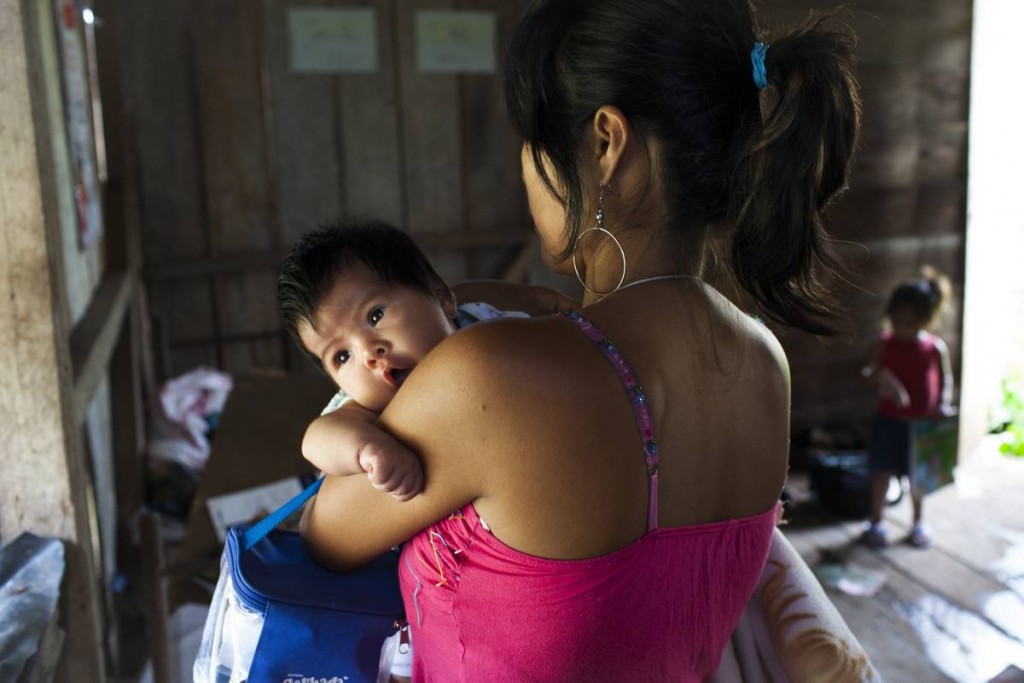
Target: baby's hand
{"type": "Point", "coordinates": [392, 468]}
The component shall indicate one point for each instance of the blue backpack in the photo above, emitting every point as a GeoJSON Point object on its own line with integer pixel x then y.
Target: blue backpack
{"type": "Point", "coordinates": [278, 617]}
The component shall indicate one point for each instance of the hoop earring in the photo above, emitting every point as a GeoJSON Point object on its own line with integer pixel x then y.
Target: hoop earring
{"type": "Point", "coordinates": [599, 228]}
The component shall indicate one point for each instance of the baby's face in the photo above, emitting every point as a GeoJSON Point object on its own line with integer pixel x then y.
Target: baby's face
{"type": "Point", "coordinates": [370, 335]}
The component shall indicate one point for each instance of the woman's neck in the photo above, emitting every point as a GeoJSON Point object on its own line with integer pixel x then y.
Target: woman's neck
{"type": "Point", "coordinates": [646, 257]}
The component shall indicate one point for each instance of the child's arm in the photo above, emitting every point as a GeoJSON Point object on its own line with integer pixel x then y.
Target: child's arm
{"type": "Point", "coordinates": [348, 441]}
{"type": "Point", "coordinates": [881, 378]}
{"type": "Point", "coordinates": [509, 296]}
{"type": "Point", "coordinates": [945, 380]}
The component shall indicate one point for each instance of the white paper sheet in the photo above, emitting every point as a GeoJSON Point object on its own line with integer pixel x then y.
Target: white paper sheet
{"type": "Point", "coordinates": [455, 42]}
{"type": "Point", "coordinates": [333, 40]}
{"type": "Point", "coordinates": [250, 504]}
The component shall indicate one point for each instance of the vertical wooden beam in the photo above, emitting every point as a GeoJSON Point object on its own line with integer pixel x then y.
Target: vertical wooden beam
{"type": "Point", "coordinates": [430, 133]}
{"type": "Point", "coordinates": [43, 480]}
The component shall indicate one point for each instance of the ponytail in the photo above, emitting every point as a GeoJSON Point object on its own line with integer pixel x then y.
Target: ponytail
{"type": "Point", "coordinates": [796, 162]}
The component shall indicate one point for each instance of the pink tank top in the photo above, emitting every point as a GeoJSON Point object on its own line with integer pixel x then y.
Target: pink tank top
{"type": "Point", "coordinates": [660, 609]}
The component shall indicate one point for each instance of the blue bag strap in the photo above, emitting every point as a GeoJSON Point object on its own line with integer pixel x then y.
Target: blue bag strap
{"type": "Point", "coordinates": [260, 529]}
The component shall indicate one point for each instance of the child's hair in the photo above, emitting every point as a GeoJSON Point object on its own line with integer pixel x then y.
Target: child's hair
{"type": "Point", "coordinates": [925, 296]}
{"type": "Point", "coordinates": [327, 251]}
{"type": "Point", "coordinates": [681, 71]}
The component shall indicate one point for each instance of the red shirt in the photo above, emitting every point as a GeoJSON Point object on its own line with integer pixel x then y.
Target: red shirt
{"type": "Point", "coordinates": [918, 365]}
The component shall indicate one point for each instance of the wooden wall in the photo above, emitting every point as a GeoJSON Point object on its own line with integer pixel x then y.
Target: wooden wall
{"type": "Point", "coordinates": [238, 155]}
{"type": "Point", "coordinates": [906, 206]}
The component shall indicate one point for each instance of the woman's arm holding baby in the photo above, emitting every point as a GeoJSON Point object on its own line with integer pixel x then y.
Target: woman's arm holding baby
{"type": "Point", "coordinates": [438, 413]}
{"type": "Point", "coordinates": [348, 441]}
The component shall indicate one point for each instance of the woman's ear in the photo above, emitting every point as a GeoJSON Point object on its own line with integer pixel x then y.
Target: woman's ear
{"type": "Point", "coordinates": [611, 136]}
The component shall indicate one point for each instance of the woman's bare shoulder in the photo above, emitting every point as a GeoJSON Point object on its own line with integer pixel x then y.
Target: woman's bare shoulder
{"type": "Point", "coordinates": [759, 343]}
{"type": "Point", "coordinates": [499, 346]}
{"type": "Point", "coordinates": [480, 366]}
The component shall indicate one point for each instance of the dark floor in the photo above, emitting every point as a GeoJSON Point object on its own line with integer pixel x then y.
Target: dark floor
{"type": "Point", "coordinates": [953, 612]}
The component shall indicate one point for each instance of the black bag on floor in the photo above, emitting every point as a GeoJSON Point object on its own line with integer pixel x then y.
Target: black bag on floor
{"type": "Point", "coordinates": [842, 481]}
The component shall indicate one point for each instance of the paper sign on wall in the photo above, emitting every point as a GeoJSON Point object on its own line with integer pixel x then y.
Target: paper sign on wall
{"type": "Point", "coordinates": [333, 40]}
{"type": "Point", "coordinates": [455, 42]}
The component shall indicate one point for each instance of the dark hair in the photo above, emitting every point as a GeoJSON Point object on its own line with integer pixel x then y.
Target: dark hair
{"type": "Point", "coordinates": [925, 297]}
{"type": "Point", "coordinates": [325, 252]}
{"type": "Point", "coordinates": [681, 73]}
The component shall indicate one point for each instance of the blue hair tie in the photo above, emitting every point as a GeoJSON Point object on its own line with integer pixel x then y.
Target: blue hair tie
{"type": "Point", "coordinates": [757, 56]}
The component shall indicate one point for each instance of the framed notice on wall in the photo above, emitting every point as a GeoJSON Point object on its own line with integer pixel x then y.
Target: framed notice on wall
{"type": "Point", "coordinates": [325, 41]}
{"type": "Point", "coordinates": [78, 113]}
{"type": "Point", "coordinates": [449, 41]}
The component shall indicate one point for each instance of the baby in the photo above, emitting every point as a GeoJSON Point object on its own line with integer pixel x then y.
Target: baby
{"type": "Point", "coordinates": [364, 302]}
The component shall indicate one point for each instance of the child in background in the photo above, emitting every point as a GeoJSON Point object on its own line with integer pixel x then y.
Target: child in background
{"type": "Point", "coordinates": [910, 368]}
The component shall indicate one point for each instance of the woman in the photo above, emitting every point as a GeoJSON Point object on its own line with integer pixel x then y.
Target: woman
{"type": "Point", "coordinates": [616, 474]}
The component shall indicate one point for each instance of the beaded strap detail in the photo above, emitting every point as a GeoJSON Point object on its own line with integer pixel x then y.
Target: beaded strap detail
{"type": "Point", "coordinates": [637, 398]}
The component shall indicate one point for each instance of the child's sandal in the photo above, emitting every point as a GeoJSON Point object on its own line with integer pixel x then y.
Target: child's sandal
{"type": "Point", "coordinates": [874, 538]}
{"type": "Point", "coordinates": [919, 538]}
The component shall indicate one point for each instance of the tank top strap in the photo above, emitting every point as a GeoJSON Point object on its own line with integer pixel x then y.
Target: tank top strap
{"type": "Point", "coordinates": [638, 399]}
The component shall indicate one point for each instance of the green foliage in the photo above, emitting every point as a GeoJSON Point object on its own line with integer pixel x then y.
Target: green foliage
{"type": "Point", "coordinates": [1013, 409]}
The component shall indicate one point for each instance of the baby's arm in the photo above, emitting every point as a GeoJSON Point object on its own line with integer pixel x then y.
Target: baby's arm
{"type": "Point", "coordinates": [348, 441]}
{"type": "Point", "coordinates": [510, 296]}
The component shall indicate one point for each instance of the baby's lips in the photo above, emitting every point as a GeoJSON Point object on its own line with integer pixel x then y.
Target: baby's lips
{"type": "Point", "coordinates": [389, 378]}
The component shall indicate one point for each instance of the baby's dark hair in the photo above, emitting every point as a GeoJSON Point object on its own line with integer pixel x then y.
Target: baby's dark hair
{"type": "Point", "coordinates": [925, 296]}
{"type": "Point", "coordinates": [327, 251]}
{"type": "Point", "coordinates": [681, 72]}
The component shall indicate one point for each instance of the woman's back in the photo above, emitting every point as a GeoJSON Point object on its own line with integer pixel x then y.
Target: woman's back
{"type": "Point", "coordinates": [647, 604]}
{"type": "Point", "coordinates": [576, 487]}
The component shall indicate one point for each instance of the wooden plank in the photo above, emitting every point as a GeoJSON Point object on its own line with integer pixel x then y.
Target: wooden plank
{"type": "Point", "coordinates": [231, 264]}
{"type": "Point", "coordinates": [231, 111]}
{"type": "Point", "coordinates": [160, 92]}
{"type": "Point", "coordinates": [237, 160]}
{"type": "Point", "coordinates": [157, 611]}
{"type": "Point", "coordinates": [493, 197]}
{"type": "Point", "coordinates": [93, 339]}
{"type": "Point", "coordinates": [184, 309]}
{"type": "Point", "coordinates": [304, 133]}
{"type": "Point", "coordinates": [431, 121]}
{"type": "Point", "coordinates": [184, 359]}
{"type": "Point", "coordinates": [130, 424]}
{"type": "Point", "coordinates": [257, 335]}
{"type": "Point", "coordinates": [518, 269]}
{"type": "Point", "coordinates": [164, 147]}
{"type": "Point", "coordinates": [254, 294]}
{"type": "Point", "coordinates": [369, 107]}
